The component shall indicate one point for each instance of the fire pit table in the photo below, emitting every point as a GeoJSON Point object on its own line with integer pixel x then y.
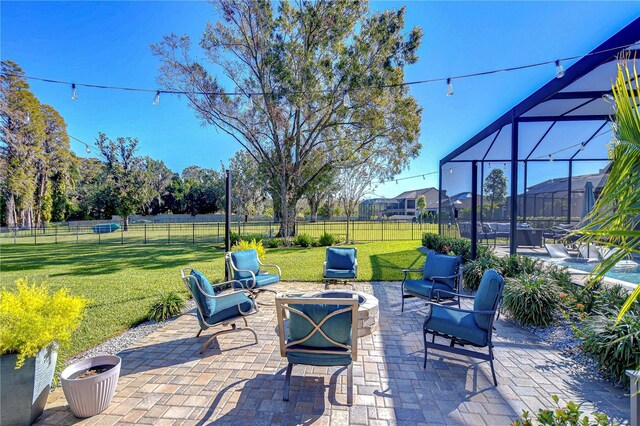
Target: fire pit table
{"type": "Point", "coordinates": [368, 311]}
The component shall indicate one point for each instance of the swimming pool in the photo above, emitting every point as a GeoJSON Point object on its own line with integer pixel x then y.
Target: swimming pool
{"type": "Point", "coordinates": [631, 276]}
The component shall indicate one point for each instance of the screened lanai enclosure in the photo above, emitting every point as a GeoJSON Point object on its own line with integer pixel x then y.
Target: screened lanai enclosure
{"type": "Point", "coordinates": [532, 168]}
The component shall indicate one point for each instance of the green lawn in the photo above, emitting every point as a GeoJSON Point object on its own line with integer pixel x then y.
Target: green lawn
{"type": "Point", "coordinates": [121, 281]}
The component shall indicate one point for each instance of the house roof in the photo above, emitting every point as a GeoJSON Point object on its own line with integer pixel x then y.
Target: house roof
{"type": "Point", "coordinates": [558, 185]}
{"type": "Point", "coordinates": [415, 193]}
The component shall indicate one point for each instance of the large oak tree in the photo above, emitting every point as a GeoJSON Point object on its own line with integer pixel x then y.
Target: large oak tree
{"type": "Point", "coordinates": [290, 67]}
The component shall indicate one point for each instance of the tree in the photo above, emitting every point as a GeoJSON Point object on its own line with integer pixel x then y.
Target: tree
{"type": "Point", "coordinates": [495, 188]}
{"type": "Point", "coordinates": [124, 174]}
{"type": "Point", "coordinates": [421, 204]}
{"type": "Point", "coordinates": [247, 185]}
{"type": "Point", "coordinates": [353, 185]}
{"type": "Point", "coordinates": [293, 68]}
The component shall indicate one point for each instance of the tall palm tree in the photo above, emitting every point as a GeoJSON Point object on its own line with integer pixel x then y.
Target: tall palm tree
{"type": "Point", "coordinates": [615, 219]}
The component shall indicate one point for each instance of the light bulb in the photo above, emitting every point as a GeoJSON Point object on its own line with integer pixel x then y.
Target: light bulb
{"type": "Point", "coordinates": [396, 181]}
{"type": "Point", "coordinates": [424, 177]}
{"type": "Point", "coordinates": [504, 166]}
{"type": "Point", "coordinates": [27, 118]}
{"type": "Point", "coordinates": [550, 158]}
{"type": "Point", "coordinates": [449, 87]}
{"type": "Point", "coordinates": [346, 100]}
{"type": "Point", "coordinates": [450, 171]}
{"type": "Point", "coordinates": [156, 99]}
{"type": "Point", "coordinates": [249, 102]}
{"type": "Point", "coordinates": [581, 147]}
{"type": "Point", "coordinates": [88, 150]}
{"type": "Point", "coordinates": [74, 92]}
{"type": "Point", "coordinates": [489, 165]}
{"type": "Point", "coordinates": [559, 69]}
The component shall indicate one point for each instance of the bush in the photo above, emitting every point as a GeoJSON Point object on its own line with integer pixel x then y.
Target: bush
{"type": "Point", "coordinates": [517, 265]}
{"type": "Point", "coordinates": [614, 345]}
{"type": "Point", "coordinates": [303, 240]}
{"type": "Point", "coordinates": [251, 237]}
{"type": "Point", "coordinates": [456, 246]}
{"type": "Point", "coordinates": [532, 299]}
{"type": "Point", "coordinates": [167, 305]}
{"type": "Point", "coordinates": [234, 237]}
{"type": "Point", "coordinates": [32, 318]}
{"type": "Point", "coordinates": [563, 416]}
{"type": "Point", "coordinates": [473, 271]}
{"type": "Point", "coordinates": [249, 245]}
{"type": "Point", "coordinates": [327, 240]}
{"type": "Point", "coordinates": [275, 242]}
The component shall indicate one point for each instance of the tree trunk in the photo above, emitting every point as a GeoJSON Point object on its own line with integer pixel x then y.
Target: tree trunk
{"type": "Point", "coordinates": [314, 202]}
{"type": "Point", "coordinates": [125, 221]}
{"type": "Point", "coordinates": [348, 220]}
{"type": "Point", "coordinates": [11, 211]}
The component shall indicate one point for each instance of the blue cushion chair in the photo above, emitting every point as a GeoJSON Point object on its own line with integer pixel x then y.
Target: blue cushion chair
{"type": "Point", "coordinates": [218, 304]}
{"type": "Point", "coordinates": [321, 332]}
{"type": "Point", "coordinates": [340, 264]}
{"type": "Point", "coordinates": [440, 272]}
{"type": "Point", "coordinates": [473, 327]}
{"type": "Point", "coordinates": [247, 271]}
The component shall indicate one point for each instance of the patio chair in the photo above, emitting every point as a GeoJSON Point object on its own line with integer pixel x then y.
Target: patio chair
{"type": "Point", "coordinates": [558, 251]}
{"type": "Point", "coordinates": [440, 272]}
{"type": "Point", "coordinates": [245, 268]}
{"type": "Point", "coordinates": [321, 332]}
{"type": "Point", "coordinates": [590, 252]}
{"type": "Point", "coordinates": [473, 327]}
{"type": "Point", "coordinates": [340, 264]}
{"type": "Point", "coordinates": [215, 306]}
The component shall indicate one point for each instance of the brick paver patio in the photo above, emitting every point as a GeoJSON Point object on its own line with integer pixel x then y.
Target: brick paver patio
{"type": "Point", "coordinates": [165, 380]}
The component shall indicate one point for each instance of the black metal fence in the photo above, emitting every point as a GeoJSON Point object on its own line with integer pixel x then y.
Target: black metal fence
{"type": "Point", "coordinates": [213, 232]}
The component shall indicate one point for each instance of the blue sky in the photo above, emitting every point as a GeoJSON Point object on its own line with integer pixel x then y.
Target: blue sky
{"type": "Point", "coordinates": [108, 43]}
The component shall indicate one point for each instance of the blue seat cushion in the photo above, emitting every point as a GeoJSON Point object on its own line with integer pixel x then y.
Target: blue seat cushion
{"type": "Point", "coordinates": [196, 277]}
{"type": "Point", "coordinates": [459, 324]}
{"type": "Point", "coordinates": [489, 291]}
{"type": "Point", "coordinates": [340, 273]}
{"type": "Point", "coordinates": [328, 360]}
{"type": "Point", "coordinates": [246, 260]}
{"type": "Point", "coordinates": [230, 307]}
{"type": "Point", "coordinates": [337, 327]}
{"type": "Point", "coordinates": [426, 288]}
{"type": "Point", "coordinates": [341, 258]}
{"type": "Point", "coordinates": [261, 281]}
{"type": "Point", "coordinates": [442, 265]}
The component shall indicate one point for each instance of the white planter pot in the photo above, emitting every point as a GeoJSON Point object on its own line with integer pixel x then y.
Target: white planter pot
{"type": "Point", "coordinates": [90, 395]}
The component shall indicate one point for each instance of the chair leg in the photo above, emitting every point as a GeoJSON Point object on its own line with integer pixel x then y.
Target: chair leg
{"type": "Point", "coordinates": [493, 371]}
{"type": "Point", "coordinates": [287, 381]}
{"type": "Point", "coordinates": [233, 329]}
{"type": "Point", "coordinates": [350, 384]}
{"type": "Point", "coordinates": [198, 333]}
{"type": "Point", "coordinates": [425, 349]}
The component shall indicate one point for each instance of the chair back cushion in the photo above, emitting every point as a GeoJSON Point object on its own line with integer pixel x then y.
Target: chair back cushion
{"type": "Point", "coordinates": [194, 278]}
{"type": "Point", "coordinates": [442, 265]}
{"type": "Point", "coordinates": [341, 258]}
{"type": "Point", "coordinates": [488, 297]}
{"type": "Point", "coordinates": [246, 260]}
{"type": "Point", "coordinates": [337, 327]}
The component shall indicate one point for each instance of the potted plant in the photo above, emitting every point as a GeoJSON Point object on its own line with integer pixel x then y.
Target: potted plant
{"type": "Point", "coordinates": [34, 322]}
{"type": "Point", "coordinates": [89, 384]}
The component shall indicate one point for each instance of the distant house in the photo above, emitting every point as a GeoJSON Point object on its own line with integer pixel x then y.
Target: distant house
{"type": "Point", "coordinates": [401, 206]}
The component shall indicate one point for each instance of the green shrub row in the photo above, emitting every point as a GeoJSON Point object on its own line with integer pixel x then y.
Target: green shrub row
{"type": "Point", "coordinates": [302, 240]}
{"type": "Point", "coordinates": [450, 245]}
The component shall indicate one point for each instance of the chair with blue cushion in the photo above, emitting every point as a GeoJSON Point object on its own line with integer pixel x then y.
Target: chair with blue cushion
{"type": "Point", "coordinates": [321, 332]}
{"type": "Point", "coordinates": [246, 269]}
{"type": "Point", "coordinates": [473, 327]}
{"type": "Point", "coordinates": [340, 264]}
{"type": "Point", "coordinates": [218, 304]}
{"type": "Point", "coordinates": [441, 272]}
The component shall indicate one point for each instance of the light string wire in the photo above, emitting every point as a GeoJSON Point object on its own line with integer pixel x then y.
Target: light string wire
{"type": "Point", "coordinates": [157, 92]}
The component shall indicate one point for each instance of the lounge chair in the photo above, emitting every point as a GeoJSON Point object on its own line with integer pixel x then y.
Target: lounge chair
{"type": "Point", "coordinates": [340, 264]}
{"type": "Point", "coordinates": [321, 332]}
{"type": "Point", "coordinates": [590, 252]}
{"type": "Point", "coordinates": [218, 304]}
{"type": "Point", "coordinates": [623, 264]}
{"type": "Point", "coordinates": [246, 269]}
{"type": "Point", "coordinates": [473, 327]}
{"type": "Point", "coordinates": [558, 251]}
{"type": "Point", "coordinates": [440, 272]}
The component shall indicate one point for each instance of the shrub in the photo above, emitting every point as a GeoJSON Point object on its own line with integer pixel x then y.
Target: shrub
{"type": "Point", "coordinates": [275, 242]}
{"type": "Point", "coordinates": [473, 271]}
{"type": "Point", "coordinates": [167, 305]}
{"type": "Point", "coordinates": [563, 416]}
{"type": "Point", "coordinates": [303, 240]}
{"type": "Point", "coordinates": [32, 318]}
{"type": "Point", "coordinates": [615, 345]}
{"type": "Point", "coordinates": [532, 299]}
{"type": "Point", "coordinates": [609, 298]}
{"type": "Point", "coordinates": [234, 237]}
{"type": "Point", "coordinates": [251, 237]}
{"type": "Point", "coordinates": [248, 245]}
{"type": "Point", "coordinates": [327, 240]}
{"type": "Point", "coordinates": [515, 265]}
{"type": "Point", "coordinates": [456, 246]}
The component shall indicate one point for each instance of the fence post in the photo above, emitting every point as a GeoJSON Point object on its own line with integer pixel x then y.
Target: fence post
{"type": "Point", "coordinates": [218, 234]}
{"type": "Point", "coordinates": [35, 236]}
{"type": "Point", "coordinates": [99, 238]}
{"type": "Point", "coordinates": [169, 233]}
{"type": "Point", "coordinates": [56, 235]}
{"type": "Point", "coordinates": [122, 236]}
{"type": "Point", "coordinates": [382, 229]}
{"type": "Point", "coordinates": [412, 229]}
{"type": "Point", "coordinates": [193, 233]}
{"type": "Point", "coordinates": [145, 233]}
{"type": "Point", "coordinates": [15, 235]}
{"type": "Point", "coordinates": [77, 233]}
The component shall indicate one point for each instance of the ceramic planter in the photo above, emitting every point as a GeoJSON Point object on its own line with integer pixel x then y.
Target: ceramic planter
{"type": "Point", "coordinates": [90, 395]}
{"type": "Point", "coordinates": [24, 392]}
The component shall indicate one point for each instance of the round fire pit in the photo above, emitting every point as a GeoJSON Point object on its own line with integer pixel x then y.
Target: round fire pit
{"type": "Point", "coordinates": [368, 311]}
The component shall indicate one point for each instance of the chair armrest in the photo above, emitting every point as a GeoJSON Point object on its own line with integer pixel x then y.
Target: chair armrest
{"type": "Point", "coordinates": [467, 311]}
{"type": "Point", "coordinates": [271, 266]}
{"type": "Point", "coordinates": [355, 268]}
{"type": "Point", "coordinates": [411, 270]}
{"type": "Point", "coordinates": [459, 274]}
{"type": "Point", "coordinates": [324, 269]}
{"type": "Point", "coordinates": [253, 277]}
{"type": "Point", "coordinates": [450, 293]}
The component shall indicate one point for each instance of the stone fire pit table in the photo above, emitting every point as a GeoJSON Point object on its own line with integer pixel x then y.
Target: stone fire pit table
{"type": "Point", "coordinates": [368, 311]}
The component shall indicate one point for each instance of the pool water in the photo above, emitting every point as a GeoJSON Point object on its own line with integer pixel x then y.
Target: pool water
{"type": "Point", "coordinates": [631, 276]}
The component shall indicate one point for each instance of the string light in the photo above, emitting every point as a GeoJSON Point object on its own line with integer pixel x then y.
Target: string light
{"type": "Point", "coordinates": [550, 158]}
{"type": "Point", "coordinates": [489, 165]}
{"type": "Point", "coordinates": [559, 69]}
{"type": "Point", "coordinates": [449, 87]}
{"type": "Point", "coordinates": [504, 166]}
{"type": "Point", "coordinates": [581, 147]}
{"type": "Point", "coordinates": [249, 102]}
{"type": "Point", "coordinates": [27, 118]}
{"type": "Point", "coordinates": [88, 149]}
{"type": "Point", "coordinates": [424, 177]}
{"type": "Point", "coordinates": [450, 171]}
{"type": "Point", "coordinates": [396, 181]}
{"type": "Point", "coordinates": [346, 100]}
{"type": "Point", "coordinates": [156, 99]}
{"type": "Point", "coordinates": [74, 92]}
